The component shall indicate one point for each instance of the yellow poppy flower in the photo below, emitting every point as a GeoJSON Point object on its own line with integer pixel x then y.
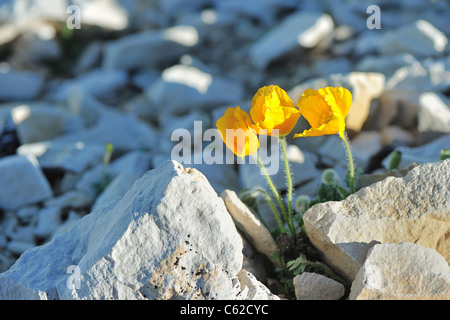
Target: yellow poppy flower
{"type": "Point", "coordinates": [325, 110]}
{"type": "Point", "coordinates": [272, 109]}
{"type": "Point", "coordinates": [237, 131]}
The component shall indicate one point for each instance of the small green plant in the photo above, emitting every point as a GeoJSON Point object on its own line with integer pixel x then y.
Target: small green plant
{"type": "Point", "coordinates": [273, 113]}
{"type": "Point", "coordinates": [444, 154]}
{"type": "Point", "coordinates": [106, 178]}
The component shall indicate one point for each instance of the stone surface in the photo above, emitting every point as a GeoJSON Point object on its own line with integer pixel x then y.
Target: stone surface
{"type": "Point", "coordinates": [169, 237]}
{"type": "Point", "coordinates": [71, 156]}
{"type": "Point", "coordinates": [433, 116]}
{"type": "Point", "coordinates": [181, 86]}
{"type": "Point", "coordinates": [420, 38]}
{"type": "Point", "coordinates": [125, 131]}
{"type": "Point", "coordinates": [38, 122]}
{"type": "Point", "coordinates": [403, 271]}
{"type": "Point", "coordinates": [416, 209]}
{"type": "Point", "coordinates": [314, 286]}
{"type": "Point", "coordinates": [259, 235]}
{"type": "Point", "coordinates": [22, 182]}
{"type": "Point", "coordinates": [302, 30]}
{"type": "Point", "coordinates": [132, 51]}
{"type": "Point", "coordinates": [19, 85]}
{"type": "Point", "coordinates": [252, 289]}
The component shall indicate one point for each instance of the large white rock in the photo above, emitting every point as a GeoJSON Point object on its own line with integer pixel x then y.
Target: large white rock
{"type": "Point", "coordinates": [169, 237]}
{"type": "Point", "coordinates": [404, 271]}
{"type": "Point", "coordinates": [299, 31]}
{"type": "Point", "coordinates": [22, 182]}
{"type": "Point", "coordinates": [415, 208]}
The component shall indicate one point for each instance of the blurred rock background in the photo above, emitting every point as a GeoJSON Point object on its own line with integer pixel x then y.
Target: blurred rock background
{"type": "Point", "coordinates": [137, 70]}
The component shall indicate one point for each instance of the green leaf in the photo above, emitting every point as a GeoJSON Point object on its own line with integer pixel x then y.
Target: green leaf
{"type": "Point", "coordinates": [329, 192]}
{"type": "Point", "coordinates": [396, 158]}
{"type": "Point", "coordinates": [357, 173]}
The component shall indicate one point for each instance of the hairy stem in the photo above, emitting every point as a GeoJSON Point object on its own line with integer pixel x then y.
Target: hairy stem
{"type": "Point", "coordinates": [289, 185]}
{"type": "Point", "coordinates": [275, 193]}
{"type": "Point", "coordinates": [350, 160]}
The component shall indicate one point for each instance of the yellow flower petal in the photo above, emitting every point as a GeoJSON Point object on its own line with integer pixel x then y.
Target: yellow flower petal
{"type": "Point", "coordinates": [325, 110]}
{"type": "Point", "coordinates": [340, 97]}
{"type": "Point", "coordinates": [272, 109]}
{"type": "Point", "coordinates": [237, 132]}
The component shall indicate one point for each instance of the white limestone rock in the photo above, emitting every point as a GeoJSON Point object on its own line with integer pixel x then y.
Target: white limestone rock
{"type": "Point", "coordinates": [252, 289]}
{"type": "Point", "coordinates": [182, 88]}
{"type": "Point", "coordinates": [404, 271]}
{"type": "Point", "coordinates": [149, 48]}
{"type": "Point", "coordinates": [299, 31]}
{"type": "Point", "coordinates": [19, 85]}
{"type": "Point", "coordinates": [38, 122]}
{"type": "Point", "coordinates": [169, 237]}
{"type": "Point", "coordinates": [420, 38]}
{"type": "Point", "coordinates": [414, 208]}
{"type": "Point", "coordinates": [73, 156]}
{"type": "Point", "coordinates": [259, 235]}
{"type": "Point", "coordinates": [22, 182]}
{"type": "Point", "coordinates": [125, 131]}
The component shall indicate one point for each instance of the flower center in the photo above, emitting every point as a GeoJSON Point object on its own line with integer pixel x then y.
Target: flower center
{"type": "Point", "coordinates": [326, 117]}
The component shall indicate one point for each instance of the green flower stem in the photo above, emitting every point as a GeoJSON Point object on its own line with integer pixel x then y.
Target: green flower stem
{"type": "Point", "coordinates": [277, 216]}
{"type": "Point", "coordinates": [350, 160]}
{"type": "Point", "coordinates": [289, 184]}
{"type": "Point", "coordinates": [275, 193]}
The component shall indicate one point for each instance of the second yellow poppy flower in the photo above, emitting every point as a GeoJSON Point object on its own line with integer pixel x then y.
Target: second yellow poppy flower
{"type": "Point", "coordinates": [272, 109]}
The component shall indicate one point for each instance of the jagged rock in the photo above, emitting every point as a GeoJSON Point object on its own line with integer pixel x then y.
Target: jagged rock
{"type": "Point", "coordinates": [404, 271]}
{"type": "Point", "coordinates": [252, 289]}
{"type": "Point", "coordinates": [414, 208]}
{"type": "Point", "coordinates": [169, 237]}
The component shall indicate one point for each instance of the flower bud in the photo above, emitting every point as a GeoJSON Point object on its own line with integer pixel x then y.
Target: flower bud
{"type": "Point", "coordinates": [302, 203]}
{"type": "Point", "coordinates": [329, 176]}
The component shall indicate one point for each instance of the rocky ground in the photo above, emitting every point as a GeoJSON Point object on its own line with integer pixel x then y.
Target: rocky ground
{"type": "Point", "coordinates": [124, 221]}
